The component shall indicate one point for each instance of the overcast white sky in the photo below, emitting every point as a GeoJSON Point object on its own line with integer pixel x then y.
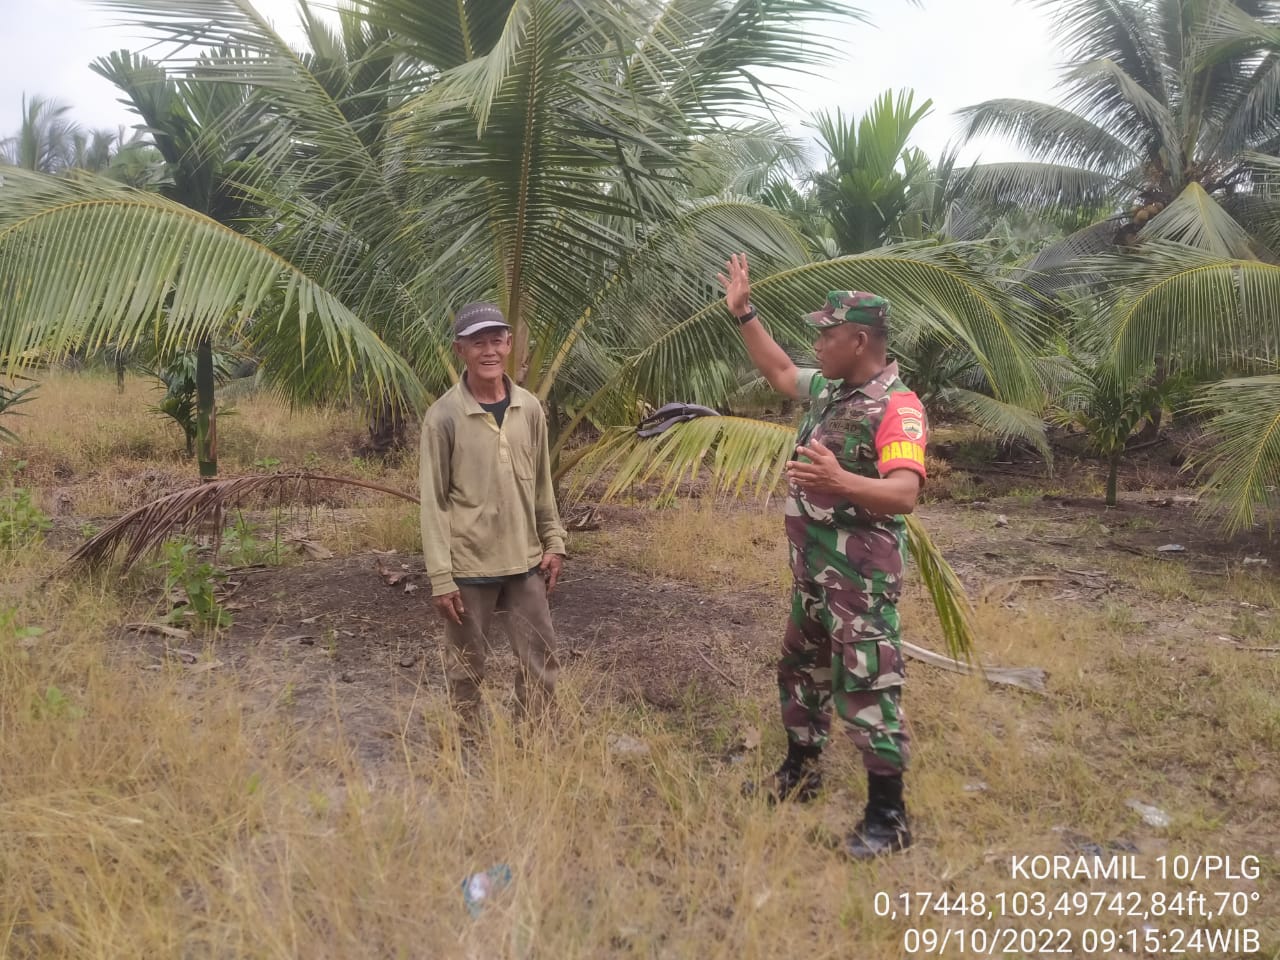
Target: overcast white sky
{"type": "Point", "coordinates": [956, 52]}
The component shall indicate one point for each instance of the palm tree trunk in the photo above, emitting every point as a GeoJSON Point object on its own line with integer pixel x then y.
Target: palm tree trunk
{"type": "Point", "coordinates": [206, 414]}
{"type": "Point", "coordinates": [387, 429]}
{"type": "Point", "coordinates": [1113, 473]}
{"type": "Point", "coordinates": [1151, 429]}
{"type": "Point", "coordinates": [555, 420]}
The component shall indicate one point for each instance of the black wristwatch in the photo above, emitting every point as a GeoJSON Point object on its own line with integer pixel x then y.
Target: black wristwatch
{"type": "Point", "coordinates": [748, 316]}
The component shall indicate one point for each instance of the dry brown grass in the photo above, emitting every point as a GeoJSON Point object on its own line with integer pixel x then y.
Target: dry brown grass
{"type": "Point", "coordinates": [708, 542]}
{"type": "Point", "coordinates": [168, 813]}
{"type": "Point", "coordinates": [1125, 706]}
{"type": "Point", "coordinates": [81, 421]}
{"type": "Point", "coordinates": [186, 812]}
{"type": "Point", "coordinates": [94, 452]}
{"type": "Point", "coordinates": [393, 526]}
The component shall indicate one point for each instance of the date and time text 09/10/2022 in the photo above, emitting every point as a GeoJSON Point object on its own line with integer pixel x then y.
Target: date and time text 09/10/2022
{"type": "Point", "coordinates": [1033, 941]}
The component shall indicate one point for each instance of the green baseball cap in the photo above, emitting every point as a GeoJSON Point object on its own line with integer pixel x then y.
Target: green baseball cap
{"type": "Point", "coordinates": [850, 306]}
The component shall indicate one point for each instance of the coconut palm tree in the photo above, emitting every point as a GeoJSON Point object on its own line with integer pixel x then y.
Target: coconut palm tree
{"type": "Point", "coordinates": [1149, 128]}
{"type": "Point", "coordinates": [1221, 317]}
{"type": "Point", "coordinates": [46, 141]}
{"type": "Point", "coordinates": [203, 132]}
{"type": "Point", "coordinates": [871, 171]}
{"type": "Point", "coordinates": [408, 176]}
{"type": "Point", "coordinates": [1240, 453]}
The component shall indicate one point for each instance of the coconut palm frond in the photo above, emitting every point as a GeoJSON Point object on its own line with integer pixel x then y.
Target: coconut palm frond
{"type": "Point", "coordinates": [1057, 267]}
{"type": "Point", "coordinates": [748, 160]}
{"type": "Point", "coordinates": [1259, 214]}
{"type": "Point", "coordinates": [663, 274]}
{"type": "Point", "coordinates": [1165, 298]}
{"type": "Point", "coordinates": [442, 33]}
{"type": "Point", "coordinates": [1090, 241]}
{"type": "Point", "coordinates": [1255, 111]}
{"type": "Point", "coordinates": [743, 452]}
{"type": "Point", "coordinates": [935, 293]}
{"type": "Point", "coordinates": [712, 57]}
{"type": "Point", "coordinates": [1045, 186]}
{"type": "Point", "coordinates": [1116, 31]}
{"type": "Point", "coordinates": [1197, 220]}
{"type": "Point", "coordinates": [1103, 89]}
{"type": "Point", "coordinates": [148, 526]}
{"type": "Point", "coordinates": [950, 601]}
{"type": "Point", "coordinates": [1241, 454]}
{"type": "Point", "coordinates": [1231, 32]}
{"type": "Point", "coordinates": [739, 452]}
{"type": "Point", "coordinates": [1049, 133]}
{"type": "Point", "coordinates": [147, 268]}
{"type": "Point", "coordinates": [251, 53]}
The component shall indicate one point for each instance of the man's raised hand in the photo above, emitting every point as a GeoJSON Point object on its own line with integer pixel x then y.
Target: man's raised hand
{"type": "Point", "coordinates": [737, 284]}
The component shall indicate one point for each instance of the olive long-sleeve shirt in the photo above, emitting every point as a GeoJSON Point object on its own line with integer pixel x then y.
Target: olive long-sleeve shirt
{"type": "Point", "coordinates": [488, 504]}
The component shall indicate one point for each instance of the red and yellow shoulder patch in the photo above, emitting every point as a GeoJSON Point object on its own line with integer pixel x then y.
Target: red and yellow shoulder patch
{"type": "Point", "coordinates": [903, 434]}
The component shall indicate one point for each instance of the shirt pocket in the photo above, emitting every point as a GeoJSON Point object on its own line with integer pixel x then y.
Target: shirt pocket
{"type": "Point", "coordinates": [523, 460]}
{"type": "Point", "coordinates": [849, 438]}
{"type": "Point", "coordinates": [848, 452]}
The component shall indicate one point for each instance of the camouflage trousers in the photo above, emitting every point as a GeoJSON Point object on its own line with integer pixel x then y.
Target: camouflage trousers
{"type": "Point", "coordinates": [843, 644]}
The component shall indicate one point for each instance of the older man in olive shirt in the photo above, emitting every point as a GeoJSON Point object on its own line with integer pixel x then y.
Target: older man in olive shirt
{"type": "Point", "coordinates": [491, 532]}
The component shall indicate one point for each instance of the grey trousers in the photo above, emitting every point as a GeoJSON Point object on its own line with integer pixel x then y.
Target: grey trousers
{"type": "Point", "coordinates": [520, 606]}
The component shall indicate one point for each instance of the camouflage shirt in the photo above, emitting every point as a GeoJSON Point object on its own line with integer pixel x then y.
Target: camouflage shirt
{"type": "Point", "coordinates": [872, 429]}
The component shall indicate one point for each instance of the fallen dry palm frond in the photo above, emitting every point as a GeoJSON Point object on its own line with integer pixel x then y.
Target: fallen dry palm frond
{"type": "Point", "coordinates": [1006, 588]}
{"type": "Point", "coordinates": [1027, 678]}
{"type": "Point", "coordinates": [148, 526]}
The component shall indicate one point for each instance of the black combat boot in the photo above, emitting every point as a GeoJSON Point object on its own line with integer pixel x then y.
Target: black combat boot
{"type": "Point", "coordinates": [798, 778]}
{"type": "Point", "coordinates": [884, 828]}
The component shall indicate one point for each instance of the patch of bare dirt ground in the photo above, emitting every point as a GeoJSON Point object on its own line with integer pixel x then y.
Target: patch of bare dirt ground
{"type": "Point", "coordinates": [360, 631]}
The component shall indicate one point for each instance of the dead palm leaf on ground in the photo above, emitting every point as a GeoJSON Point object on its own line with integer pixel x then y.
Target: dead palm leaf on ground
{"type": "Point", "coordinates": [147, 527]}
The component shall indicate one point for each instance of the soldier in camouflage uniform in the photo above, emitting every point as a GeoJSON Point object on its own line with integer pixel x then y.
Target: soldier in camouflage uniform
{"type": "Point", "coordinates": [859, 468]}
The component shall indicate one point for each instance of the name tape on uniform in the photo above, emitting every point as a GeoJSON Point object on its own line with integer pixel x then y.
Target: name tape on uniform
{"type": "Point", "coordinates": [902, 450]}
